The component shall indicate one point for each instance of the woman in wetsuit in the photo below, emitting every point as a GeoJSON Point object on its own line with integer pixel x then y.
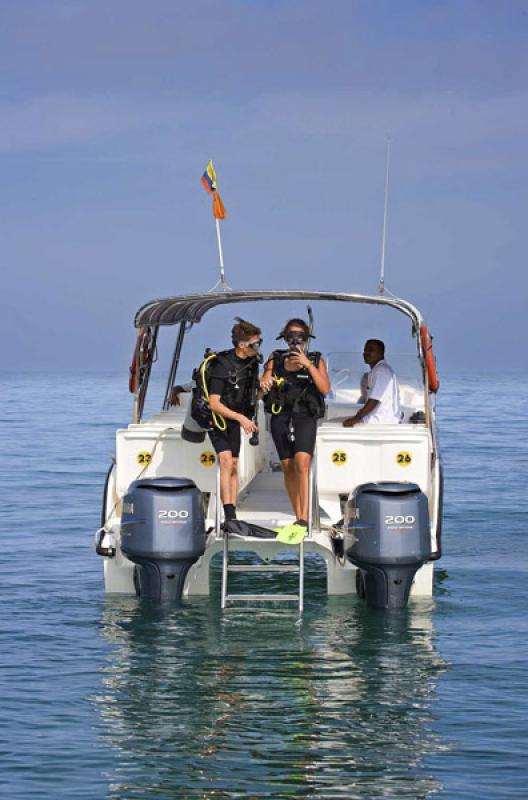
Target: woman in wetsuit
{"type": "Point", "coordinates": [296, 383]}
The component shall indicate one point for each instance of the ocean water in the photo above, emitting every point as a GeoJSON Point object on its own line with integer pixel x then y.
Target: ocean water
{"type": "Point", "coordinates": [117, 698]}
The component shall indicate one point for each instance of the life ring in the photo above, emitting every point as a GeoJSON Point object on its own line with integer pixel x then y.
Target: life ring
{"type": "Point", "coordinates": [140, 360]}
{"type": "Point", "coordinates": [430, 362]}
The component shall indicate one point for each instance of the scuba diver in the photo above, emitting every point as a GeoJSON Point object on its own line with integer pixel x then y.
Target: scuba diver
{"type": "Point", "coordinates": [232, 386]}
{"type": "Point", "coordinates": [296, 382]}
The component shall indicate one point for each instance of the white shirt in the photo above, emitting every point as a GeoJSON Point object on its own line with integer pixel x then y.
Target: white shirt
{"type": "Point", "coordinates": [383, 386]}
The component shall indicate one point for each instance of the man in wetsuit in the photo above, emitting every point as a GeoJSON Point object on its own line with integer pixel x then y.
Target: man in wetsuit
{"type": "Point", "coordinates": [230, 384]}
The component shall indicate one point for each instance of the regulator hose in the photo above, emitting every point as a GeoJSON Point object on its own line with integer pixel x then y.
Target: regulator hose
{"type": "Point", "coordinates": [278, 382]}
{"type": "Point", "coordinates": [218, 420]}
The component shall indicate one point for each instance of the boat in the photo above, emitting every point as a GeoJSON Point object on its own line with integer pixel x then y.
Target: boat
{"type": "Point", "coordinates": [375, 491]}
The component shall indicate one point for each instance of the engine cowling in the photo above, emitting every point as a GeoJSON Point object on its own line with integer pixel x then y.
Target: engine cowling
{"type": "Point", "coordinates": [388, 537]}
{"type": "Point", "coordinates": [163, 533]}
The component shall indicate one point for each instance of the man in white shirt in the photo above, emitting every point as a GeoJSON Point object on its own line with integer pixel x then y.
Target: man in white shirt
{"type": "Point", "coordinates": [383, 395]}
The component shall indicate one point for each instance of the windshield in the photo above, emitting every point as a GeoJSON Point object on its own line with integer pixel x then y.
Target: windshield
{"type": "Point", "coordinates": [348, 376]}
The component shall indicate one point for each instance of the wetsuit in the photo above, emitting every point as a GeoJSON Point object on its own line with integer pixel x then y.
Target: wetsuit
{"type": "Point", "coordinates": [301, 405]}
{"type": "Point", "coordinates": [231, 377]}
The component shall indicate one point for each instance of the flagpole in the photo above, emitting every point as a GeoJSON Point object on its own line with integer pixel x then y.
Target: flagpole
{"type": "Point", "coordinates": [381, 287]}
{"type": "Point", "coordinates": [220, 253]}
{"type": "Point", "coordinates": [221, 285]}
{"type": "Point", "coordinates": [219, 212]}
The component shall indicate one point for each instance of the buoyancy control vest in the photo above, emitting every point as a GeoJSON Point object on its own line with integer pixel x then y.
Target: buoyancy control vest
{"type": "Point", "coordinates": [294, 392]}
{"type": "Point", "coordinates": [240, 387]}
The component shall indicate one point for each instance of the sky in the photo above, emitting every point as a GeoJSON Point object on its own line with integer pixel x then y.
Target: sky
{"type": "Point", "coordinates": [110, 110]}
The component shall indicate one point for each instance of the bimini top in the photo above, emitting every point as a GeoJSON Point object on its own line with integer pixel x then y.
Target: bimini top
{"type": "Point", "coordinates": [191, 307]}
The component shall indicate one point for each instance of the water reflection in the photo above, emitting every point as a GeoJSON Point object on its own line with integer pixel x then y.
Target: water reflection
{"type": "Point", "coordinates": [199, 705]}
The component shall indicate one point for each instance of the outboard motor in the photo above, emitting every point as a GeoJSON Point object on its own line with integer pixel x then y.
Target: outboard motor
{"type": "Point", "coordinates": [387, 536]}
{"type": "Point", "coordinates": [163, 532]}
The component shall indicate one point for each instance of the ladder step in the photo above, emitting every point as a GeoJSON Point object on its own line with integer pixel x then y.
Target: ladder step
{"type": "Point", "coordinates": [262, 568]}
{"type": "Point", "coordinates": [270, 597]}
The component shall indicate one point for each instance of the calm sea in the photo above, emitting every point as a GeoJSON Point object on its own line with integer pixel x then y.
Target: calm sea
{"type": "Point", "coordinates": [114, 698]}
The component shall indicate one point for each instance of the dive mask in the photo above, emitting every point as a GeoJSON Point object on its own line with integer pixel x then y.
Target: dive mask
{"type": "Point", "coordinates": [295, 338]}
{"type": "Point", "coordinates": [255, 346]}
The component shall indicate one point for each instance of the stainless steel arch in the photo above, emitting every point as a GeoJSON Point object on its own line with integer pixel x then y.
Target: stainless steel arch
{"type": "Point", "coordinates": [191, 308]}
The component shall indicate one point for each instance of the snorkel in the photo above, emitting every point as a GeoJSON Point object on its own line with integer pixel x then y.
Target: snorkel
{"type": "Point", "coordinates": [255, 347]}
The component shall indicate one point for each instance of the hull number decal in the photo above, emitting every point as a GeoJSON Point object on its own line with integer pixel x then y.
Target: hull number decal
{"type": "Point", "coordinates": [404, 459]}
{"type": "Point", "coordinates": [144, 458]}
{"type": "Point", "coordinates": [339, 457]}
{"type": "Point", "coordinates": [207, 458]}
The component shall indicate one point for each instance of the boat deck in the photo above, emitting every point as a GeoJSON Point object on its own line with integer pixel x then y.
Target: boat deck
{"type": "Point", "coordinates": [265, 502]}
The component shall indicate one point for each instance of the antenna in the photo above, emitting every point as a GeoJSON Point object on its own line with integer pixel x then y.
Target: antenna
{"type": "Point", "coordinates": [381, 287]}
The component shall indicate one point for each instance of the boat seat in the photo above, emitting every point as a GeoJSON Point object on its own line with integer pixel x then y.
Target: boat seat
{"type": "Point", "coordinates": [341, 409]}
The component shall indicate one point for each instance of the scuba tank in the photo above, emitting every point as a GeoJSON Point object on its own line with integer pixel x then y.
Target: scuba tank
{"type": "Point", "coordinates": [191, 430]}
{"type": "Point", "coordinates": [199, 417]}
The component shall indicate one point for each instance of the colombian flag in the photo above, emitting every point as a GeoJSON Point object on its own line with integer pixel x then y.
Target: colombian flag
{"type": "Point", "coordinates": [209, 184]}
{"type": "Point", "coordinates": [209, 178]}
